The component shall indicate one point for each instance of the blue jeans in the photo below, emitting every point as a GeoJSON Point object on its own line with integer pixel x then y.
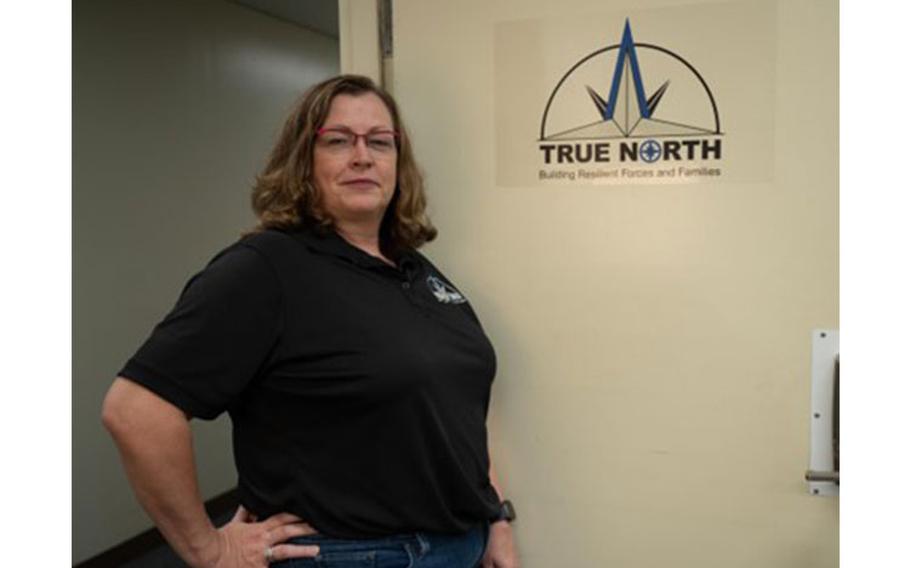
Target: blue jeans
{"type": "Point", "coordinates": [413, 550]}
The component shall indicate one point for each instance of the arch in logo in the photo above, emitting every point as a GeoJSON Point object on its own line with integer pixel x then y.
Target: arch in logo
{"type": "Point", "coordinates": [443, 292]}
{"type": "Point", "coordinates": [589, 103]}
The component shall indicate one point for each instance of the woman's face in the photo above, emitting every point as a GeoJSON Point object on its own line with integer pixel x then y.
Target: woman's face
{"type": "Point", "coordinates": [356, 181]}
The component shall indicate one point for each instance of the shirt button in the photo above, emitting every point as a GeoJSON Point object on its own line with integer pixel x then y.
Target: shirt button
{"type": "Point", "coordinates": [405, 285]}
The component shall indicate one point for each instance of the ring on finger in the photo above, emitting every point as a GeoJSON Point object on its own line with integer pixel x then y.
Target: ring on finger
{"type": "Point", "coordinates": [269, 555]}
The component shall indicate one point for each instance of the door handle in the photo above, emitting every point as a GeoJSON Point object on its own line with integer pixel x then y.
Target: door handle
{"type": "Point", "coordinates": [823, 476]}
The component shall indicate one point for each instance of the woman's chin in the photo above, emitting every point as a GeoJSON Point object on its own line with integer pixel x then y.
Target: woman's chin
{"type": "Point", "coordinates": [362, 207]}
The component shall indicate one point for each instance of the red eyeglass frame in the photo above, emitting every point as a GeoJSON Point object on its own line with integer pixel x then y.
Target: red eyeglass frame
{"type": "Point", "coordinates": [357, 136]}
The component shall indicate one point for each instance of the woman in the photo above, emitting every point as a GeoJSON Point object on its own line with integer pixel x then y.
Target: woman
{"type": "Point", "coordinates": [357, 377]}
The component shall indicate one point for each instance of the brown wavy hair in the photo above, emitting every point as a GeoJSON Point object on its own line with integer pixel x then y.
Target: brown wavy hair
{"type": "Point", "coordinates": [285, 197]}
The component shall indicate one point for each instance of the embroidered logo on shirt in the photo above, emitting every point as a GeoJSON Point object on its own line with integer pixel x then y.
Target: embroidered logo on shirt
{"type": "Point", "coordinates": [444, 292]}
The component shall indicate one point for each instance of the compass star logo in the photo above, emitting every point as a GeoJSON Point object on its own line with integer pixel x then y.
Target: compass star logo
{"type": "Point", "coordinates": [652, 93]}
{"type": "Point", "coordinates": [650, 151]}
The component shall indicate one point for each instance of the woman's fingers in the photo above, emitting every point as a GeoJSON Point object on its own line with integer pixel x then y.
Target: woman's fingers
{"type": "Point", "coordinates": [285, 551]}
{"type": "Point", "coordinates": [280, 519]}
{"type": "Point", "coordinates": [284, 532]}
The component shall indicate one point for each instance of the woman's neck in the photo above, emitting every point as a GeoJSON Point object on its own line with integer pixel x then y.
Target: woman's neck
{"type": "Point", "coordinates": [362, 236]}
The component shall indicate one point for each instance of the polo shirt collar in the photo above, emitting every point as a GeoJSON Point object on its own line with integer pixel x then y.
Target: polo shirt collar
{"type": "Point", "coordinates": [334, 244]}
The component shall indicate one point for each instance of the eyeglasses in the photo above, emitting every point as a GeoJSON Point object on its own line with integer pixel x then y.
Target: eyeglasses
{"type": "Point", "coordinates": [343, 140]}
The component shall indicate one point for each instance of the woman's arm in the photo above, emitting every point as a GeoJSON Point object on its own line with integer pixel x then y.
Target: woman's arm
{"type": "Point", "coordinates": [155, 443]}
{"type": "Point", "coordinates": [501, 551]}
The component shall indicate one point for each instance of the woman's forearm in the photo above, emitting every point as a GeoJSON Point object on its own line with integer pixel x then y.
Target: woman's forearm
{"type": "Point", "coordinates": [494, 481]}
{"type": "Point", "coordinates": [155, 443]}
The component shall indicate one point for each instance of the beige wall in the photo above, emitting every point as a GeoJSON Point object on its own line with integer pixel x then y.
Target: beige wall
{"type": "Point", "coordinates": [652, 402]}
{"type": "Point", "coordinates": [175, 105]}
{"type": "Point", "coordinates": [358, 23]}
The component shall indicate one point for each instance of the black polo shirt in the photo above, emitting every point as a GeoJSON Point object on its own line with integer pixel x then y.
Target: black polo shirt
{"type": "Point", "coordinates": [358, 391]}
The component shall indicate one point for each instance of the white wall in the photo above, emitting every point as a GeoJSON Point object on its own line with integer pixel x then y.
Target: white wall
{"type": "Point", "coordinates": [175, 105]}
{"type": "Point", "coordinates": [652, 402]}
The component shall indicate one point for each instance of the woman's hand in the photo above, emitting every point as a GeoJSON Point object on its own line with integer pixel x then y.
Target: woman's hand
{"type": "Point", "coordinates": [245, 543]}
{"type": "Point", "coordinates": [501, 552]}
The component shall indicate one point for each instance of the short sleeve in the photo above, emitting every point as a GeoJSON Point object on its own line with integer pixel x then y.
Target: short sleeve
{"type": "Point", "coordinates": [217, 338]}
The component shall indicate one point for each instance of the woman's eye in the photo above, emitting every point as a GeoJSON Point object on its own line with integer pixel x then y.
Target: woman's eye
{"type": "Point", "coordinates": [381, 143]}
{"type": "Point", "coordinates": [336, 140]}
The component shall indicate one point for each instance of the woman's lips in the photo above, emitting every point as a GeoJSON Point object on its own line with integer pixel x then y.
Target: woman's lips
{"type": "Point", "coordinates": [361, 183]}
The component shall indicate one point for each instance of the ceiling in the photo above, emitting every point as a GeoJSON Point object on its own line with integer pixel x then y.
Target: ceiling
{"type": "Point", "coordinates": [317, 15]}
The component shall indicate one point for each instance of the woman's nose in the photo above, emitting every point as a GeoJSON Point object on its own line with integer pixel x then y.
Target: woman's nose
{"type": "Point", "coordinates": [360, 153]}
